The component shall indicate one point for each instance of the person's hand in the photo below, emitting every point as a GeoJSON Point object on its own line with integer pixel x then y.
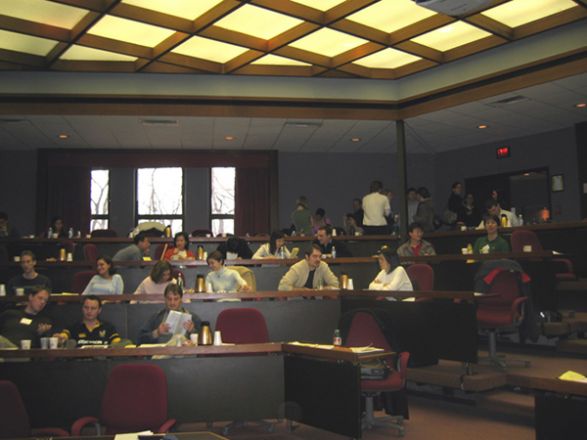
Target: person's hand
{"type": "Point", "coordinates": [163, 328]}
{"type": "Point", "coordinates": [62, 337]}
{"type": "Point", "coordinates": [43, 328]}
{"type": "Point", "coordinates": [188, 326]}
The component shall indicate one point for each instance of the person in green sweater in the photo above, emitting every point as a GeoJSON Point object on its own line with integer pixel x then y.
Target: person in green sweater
{"type": "Point", "coordinates": [492, 243]}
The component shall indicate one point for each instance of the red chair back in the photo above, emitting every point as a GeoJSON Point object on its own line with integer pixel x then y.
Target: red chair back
{"type": "Point", "coordinates": [81, 280]}
{"type": "Point", "coordinates": [90, 252]}
{"type": "Point", "coordinates": [135, 398]}
{"type": "Point", "coordinates": [201, 232]}
{"type": "Point", "coordinates": [365, 331]}
{"type": "Point", "coordinates": [14, 420]}
{"type": "Point", "coordinates": [103, 233]}
{"type": "Point", "coordinates": [524, 237]}
{"type": "Point", "coordinates": [421, 275]}
{"type": "Point", "coordinates": [242, 326]}
{"type": "Point", "coordinates": [505, 309]}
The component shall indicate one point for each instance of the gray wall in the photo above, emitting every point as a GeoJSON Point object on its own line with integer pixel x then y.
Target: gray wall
{"type": "Point", "coordinates": [331, 181]}
{"type": "Point", "coordinates": [556, 150]}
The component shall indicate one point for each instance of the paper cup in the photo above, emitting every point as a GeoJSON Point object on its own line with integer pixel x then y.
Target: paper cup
{"type": "Point", "coordinates": [2, 290]}
{"type": "Point", "coordinates": [527, 248]}
{"type": "Point", "coordinates": [16, 258]}
{"type": "Point", "coordinates": [69, 257]}
{"type": "Point", "coordinates": [194, 338]}
{"type": "Point", "coordinates": [25, 344]}
{"type": "Point", "coordinates": [44, 343]}
{"type": "Point", "coordinates": [20, 291]}
{"type": "Point", "coordinates": [53, 342]}
{"type": "Point", "coordinates": [217, 338]}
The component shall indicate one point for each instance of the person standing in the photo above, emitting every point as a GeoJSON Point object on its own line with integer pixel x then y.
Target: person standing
{"type": "Point", "coordinates": [301, 217]}
{"type": "Point", "coordinates": [425, 213]}
{"type": "Point", "coordinates": [376, 208]}
{"type": "Point", "coordinates": [455, 205]}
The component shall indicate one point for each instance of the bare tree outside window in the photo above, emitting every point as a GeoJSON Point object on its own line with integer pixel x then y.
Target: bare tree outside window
{"type": "Point", "coordinates": [222, 200]}
{"type": "Point", "coordinates": [160, 196]}
{"type": "Point", "coordinates": [99, 199]}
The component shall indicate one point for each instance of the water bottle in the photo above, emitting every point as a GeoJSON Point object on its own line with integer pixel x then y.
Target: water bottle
{"type": "Point", "coordinates": [50, 232]}
{"type": "Point", "coordinates": [520, 220]}
{"type": "Point", "coordinates": [180, 280]}
{"type": "Point", "coordinates": [336, 339]}
{"type": "Point", "coordinates": [281, 253]}
{"type": "Point", "coordinates": [70, 233]}
{"type": "Point", "coordinates": [333, 252]}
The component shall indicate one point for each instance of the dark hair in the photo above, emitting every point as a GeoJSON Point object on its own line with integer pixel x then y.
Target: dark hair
{"type": "Point", "coordinates": [423, 192]}
{"type": "Point", "coordinates": [173, 288]}
{"type": "Point", "coordinates": [232, 244]}
{"type": "Point", "coordinates": [410, 189]}
{"type": "Point", "coordinates": [313, 248]}
{"type": "Point", "coordinates": [216, 255]}
{"type": "Point", "coordinates": [139, 237]}
{"type": "Point", "coordinates": [358, 200]}
{"type": "Point", "coordinates": [275, 235]}
{"type": "Point", "coordinates": [375, 186]}
{"type": "Point", "coordinates": [414, 225]}
{"type": "Point", "coordinates": [303, 201]}
{"type": "Point", "coordinates": [29, 253]}
{"type": "Point", "coordinates": [326, 228]}
{"type": "Point", "coordinates": [455, 184]}
{"type": "Point", "coordinates": [349, 215]}
{"type": "Point", "coordinates": [54, 220]}
{"type": "Point", "coordinates": [493, 217]}
{"type": "Point", "coordinates": [92, 298]}
{"type": "Point", "coordinates": [158, 269]}
{"type": "Point", "coordinates": [185, 236]}
{"type": "Point", "coordinates": [391, 258]}
{"type": "Point", "coordinates": [38, 289]}
{"type": "Point", "coordinates": [321, 212]}
{"type": "Point", "coordinates": [108, 260]}
{"type": "Point", "coordinates": [490, 203]}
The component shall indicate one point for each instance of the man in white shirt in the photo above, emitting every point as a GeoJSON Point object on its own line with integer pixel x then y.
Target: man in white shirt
{"type": "Point", "coordinates": [493, 208]}
{"type": "Point", "coordinates": [376, 208]}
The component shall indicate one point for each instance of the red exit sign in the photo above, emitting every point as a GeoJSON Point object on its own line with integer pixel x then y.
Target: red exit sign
{"type": "Point", "coordinates": [502, 152]}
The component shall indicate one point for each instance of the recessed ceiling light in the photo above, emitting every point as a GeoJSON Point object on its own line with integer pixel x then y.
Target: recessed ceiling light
{"type": "Point", "coordinates": [356, 139]}
{"type": "Point", "coordinates": [482, 126]}
{"type": "Point", "coordinates": [581, 105]}
{"type": "Point", "coordinates": [229, 138]}
{"type": "Point", "coordinates": [63, 136]}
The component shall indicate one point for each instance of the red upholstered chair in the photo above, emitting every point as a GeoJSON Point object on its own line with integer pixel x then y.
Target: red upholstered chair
{"type": "Point", "coordinates": [421, 275]}
{"type": "Point", "coordinates": [501, 313]}
{"type": "Point", "coordinates": [365, 331]}
{"type": "Point", "coordinates": [14, 419]}
{"type": "Point", "coordinates": [90, 252]}
{"type": "Point", "coordinates": [81, 280]}
{"type": "Point", "coordinates": [242, 326]}
{"type": "Point", "coordinates": [202, 233]}
{"type": "Point", "coordinates": [158, 254]}
{"type": "Point", "coordinates": [135, 399]}
{"type": "Point", "coordinates": [525, 237]}
{"type": "Point", "coordinates": [103, 233]}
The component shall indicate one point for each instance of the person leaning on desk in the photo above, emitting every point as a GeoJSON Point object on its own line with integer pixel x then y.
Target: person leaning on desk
{"type": "Point", "coordinates": [310, 273]}
{"type": "Point", "coordinates": [491, 243]}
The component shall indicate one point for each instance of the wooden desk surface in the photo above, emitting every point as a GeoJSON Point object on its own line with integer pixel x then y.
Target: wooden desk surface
{"type": "Point", "coordinates": [547, 384]}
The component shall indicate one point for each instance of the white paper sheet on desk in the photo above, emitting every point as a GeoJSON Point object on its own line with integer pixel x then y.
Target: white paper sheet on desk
{"type": "Point", "coordinates": [367, 349]}
{"type": "Point", "coordinates": [65, 294]}
{"type": "Point", "coordinates": [556, 253]}
{"type": "Point", "coordinates": [309, 344]}
{"type": "Point", "coordinates": [132, 435]}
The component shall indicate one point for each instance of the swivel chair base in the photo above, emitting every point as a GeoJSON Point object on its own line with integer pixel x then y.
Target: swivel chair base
{"type": "Point", "coordinates": [370, 421]}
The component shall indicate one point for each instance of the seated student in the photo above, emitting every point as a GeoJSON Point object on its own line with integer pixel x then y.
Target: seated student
{"type": "Point", "coordinates": [324, 240]}
{"type": "Point", "coordinates": [351, 225]}
{"type": "Point", "coordinates": [492, 207]}
{"type": "Point", "coordinates": [90, 330]}
{"type": "Point", "coordinates": [58, 229]}
{"type": "Point", "coordinates": [275, 248]}
{"type": "Point", "coordinates": [156, 331]}
{"type": "Point", "coordinates": [309, 273]}
{"type": "Point", "coordinates": [180, 249]}
{"type": "Point", "coordinates": [29, 323]}
{"type": "Point", "coordinates": [6, 229]}
{"type": "Point", "coordinates": [415, 246]}
{"type": "Point", "coordinates": [222, 279]}
{"type": "Point", "coordinates": [235, 248]}
{"type": "Point", "coordinates": [392, 275]}
{"type": "Point", "coordinates": [157, 280]}
{"type": "Point", "coordinates": [492, 242]}
{"type": "Point", "coordinates": [30, 279]}
{"type": "Point", "coordinates": [319, 220]}
{"type": "Point", "coordinates": [106, 281]}
{"type": "Point", "coordinates": [136, 251]}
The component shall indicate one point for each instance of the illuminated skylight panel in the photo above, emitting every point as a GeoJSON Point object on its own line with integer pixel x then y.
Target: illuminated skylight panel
{"type": "Point", "coordinates": [257, 22]}
{"type": "Point", "coordinates": [387, 59]}
{"type": "Point", "coordinates": [82, 53]}
{"type": "Point", "coordinates": [450, 36]}
{"type": "Point", "coordinates": [275, 60]}
{"type": "Point", "coordinates": [390, 15]}
{"type": "Point", "coordinates": [25, 43]}
{"type": "Point", "coordinates": [518, 12]}
{"type": "Point", "coordinates": [130, 31]}
{"type": "Point", "coordinates": [211, 50]}
{"type": "Point", "coordinates": [41, 11]}
{"type": "Point", "coordinates": [322, 5]}
{"type": "Point", "coordinates": [328, 42]}
{"type": "Point", "coordinates": [188, 9]}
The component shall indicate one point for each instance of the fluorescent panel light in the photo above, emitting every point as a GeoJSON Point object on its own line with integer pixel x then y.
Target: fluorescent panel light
{"type": "Point", "coordinates": [328, 42]}
{"type": "Point", "coordinates": [518, 12]}
{"type": "Point", "coordinates": [130, 31]}
{"type": "Point", "coordinates": [82, 53]}
{"type": "Point", "coordinates": [41, 11]}
{"type": "Point", "coordinates": [451, 36]}
{"type": "Point", "coordinates": [275, 60]}
{"type": "Point", "coordinates": [211, 50]}
{"type": "Point", "coordinates": [188, 9]}
{"type": "Point", "coordinates": [387, 59]}
{"type": "Point", "coordinates": [258, 22]}
{"type": "Point", "coordinates": [25, 43]}
{"type": "Point", "coordinates": [390, 15]}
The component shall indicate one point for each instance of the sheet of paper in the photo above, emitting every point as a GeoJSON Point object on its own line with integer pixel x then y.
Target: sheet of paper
{"type": "Point", "coordinates": [367, 349]}
{"type": "Point", "coordinates": [132, 435]}
{"type": "Point", "coordinates": [175, 320]}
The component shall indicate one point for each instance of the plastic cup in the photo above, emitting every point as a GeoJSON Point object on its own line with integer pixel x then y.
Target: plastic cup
{"type": "Point", "coordinates": [527, 248]}
{"type": "Point", "coordinates": [16, 258]}
{"type": "Point", "coordinates": [53, 342]}
{"type": "Point", "coordinates": [217, 338]}
{"type": "Point", "coordinates": [2, 290]}
{"type": "Point", "coordinates": [45, 343]}
{"type": "Point", "coordinates": [25, 344]}
{"type": "Point", "coordinates": [194, 338]}
{"type": "Point", "coordinates": [20, 291]}
{"type": "Point", "coordinates": [69, 257]}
